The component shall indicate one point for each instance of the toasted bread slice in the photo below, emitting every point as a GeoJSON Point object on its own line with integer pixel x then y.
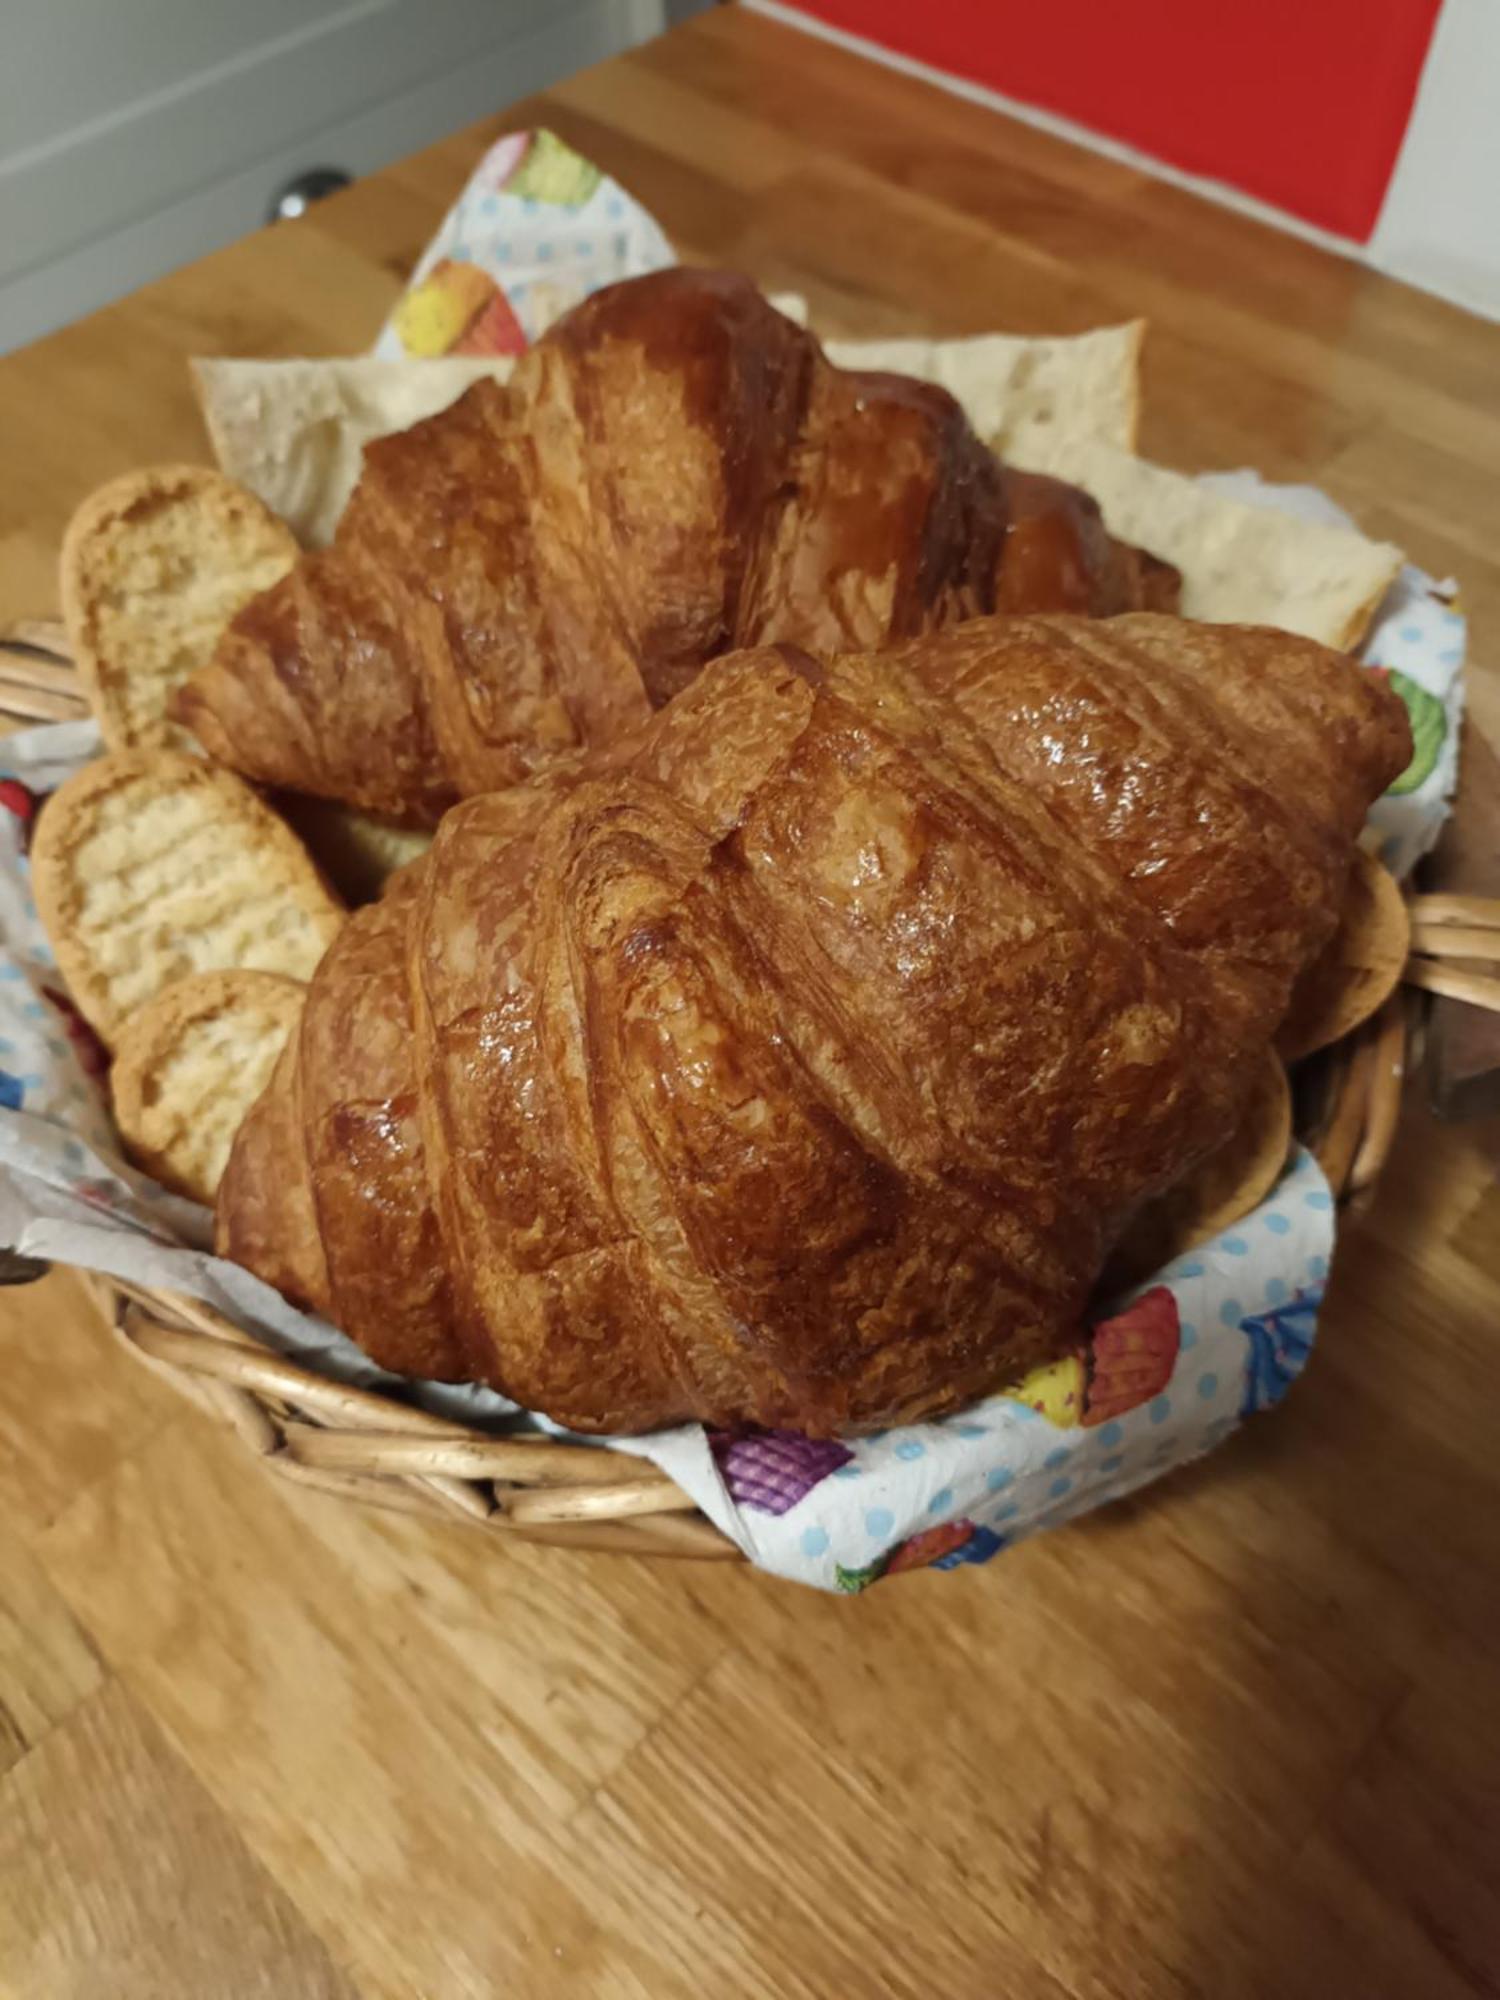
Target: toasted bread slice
{"type": "Point", "coordinates": [154, 565]}
{"type": "Point", "coordinates": [150, 865]}
{"type": "Point", "coordinates": [189, 1065]}
{"type": "Point", "coordinates": [1359, 969]}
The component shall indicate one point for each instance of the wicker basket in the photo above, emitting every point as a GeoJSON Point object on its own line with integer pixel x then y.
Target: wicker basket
{"type": "Point", "coordinates": [379, 1449]}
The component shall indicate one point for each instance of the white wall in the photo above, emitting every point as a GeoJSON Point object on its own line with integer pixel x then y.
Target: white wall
{"type": "Point", "coordinates": [1440, 227]}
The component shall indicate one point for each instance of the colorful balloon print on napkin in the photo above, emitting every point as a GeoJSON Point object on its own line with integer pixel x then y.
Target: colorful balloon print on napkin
{"type": "Point", "coordinates": [536, 229]}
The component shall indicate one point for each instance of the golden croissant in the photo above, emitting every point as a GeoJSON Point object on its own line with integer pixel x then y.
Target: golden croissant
{"type": "Point", "coordinates": [672, 472]}
{"type": "Point", "coordinates": [801, 1066]}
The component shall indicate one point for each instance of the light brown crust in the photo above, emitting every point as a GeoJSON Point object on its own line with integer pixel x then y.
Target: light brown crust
{"type": "Point", "coordinates": [152, 566]}
{"type": "Point", "coordinates": [149, 865]}
{"type": "Point", "coordinates": [189, 1065]}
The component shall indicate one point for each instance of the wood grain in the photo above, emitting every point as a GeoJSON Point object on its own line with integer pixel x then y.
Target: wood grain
{"type": "Point", "coordinates": [120, 1876]}
{"type": "Point", "coordinates": [47, 1665]}
{"type": "Point", "coordinates": [49, 1335]}
{"type": "Point", "coordinates": [1234, 1737]}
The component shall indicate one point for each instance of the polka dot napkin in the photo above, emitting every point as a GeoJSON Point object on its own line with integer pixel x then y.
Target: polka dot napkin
{"type": "Point", "coordinates": [1212, 1339]}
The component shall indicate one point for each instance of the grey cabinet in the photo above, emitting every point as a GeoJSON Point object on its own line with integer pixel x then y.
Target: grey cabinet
{"type": "Point", "coordinates": [136, 134]}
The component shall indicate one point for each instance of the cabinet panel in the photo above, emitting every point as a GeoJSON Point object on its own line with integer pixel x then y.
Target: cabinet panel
{"type": "Point", "coordinates": [71, 62]}
{"type": "Point", "coordinates": [110, 198]}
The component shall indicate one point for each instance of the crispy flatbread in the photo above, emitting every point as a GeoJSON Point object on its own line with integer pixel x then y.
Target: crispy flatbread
{"type": "Point", "coordinates": [1241, 565]}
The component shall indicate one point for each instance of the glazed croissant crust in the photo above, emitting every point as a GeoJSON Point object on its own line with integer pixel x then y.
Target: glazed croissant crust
{"type": "Point", "coordinates": [673, 471]}
{"type": "Point", "coordinates": [801, 1067]}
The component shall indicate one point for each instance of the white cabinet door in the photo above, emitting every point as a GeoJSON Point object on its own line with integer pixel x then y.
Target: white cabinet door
{"type": "Point", "coordinates": [135, 134]}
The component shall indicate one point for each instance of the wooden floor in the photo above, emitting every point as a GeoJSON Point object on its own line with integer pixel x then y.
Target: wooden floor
{"type": "Point", "coordinates": [1238, 1737]}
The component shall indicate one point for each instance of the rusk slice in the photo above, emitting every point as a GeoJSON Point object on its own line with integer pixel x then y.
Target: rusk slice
{"type": "Point", "coordinates": [150, 865]}
{"type": "Point", "coordinates": [153, 567]}
{"type": "Point", "coordinates": [1359, 969]}
{"type": "Point", "coordinates": [189, 1065]}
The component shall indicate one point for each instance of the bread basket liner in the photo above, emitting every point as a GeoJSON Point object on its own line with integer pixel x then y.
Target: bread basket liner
{"type": "Point", "coordinates": [1169, 1372]}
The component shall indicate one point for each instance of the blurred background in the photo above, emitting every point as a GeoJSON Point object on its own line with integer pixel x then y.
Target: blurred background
{"type": "Point", "coordinates": [138, 134]}
{"type": "Point", "coordinates": [1370, 125]}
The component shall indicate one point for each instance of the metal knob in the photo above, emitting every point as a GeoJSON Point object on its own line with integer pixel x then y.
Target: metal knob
{"type": "Point", "coordinates": [299, 195]}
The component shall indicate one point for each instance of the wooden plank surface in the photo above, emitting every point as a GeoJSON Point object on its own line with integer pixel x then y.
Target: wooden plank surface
{"type": "Point", "coordinates": [119, 1875]}
{"type": "Point", "coordinates": [1237, 1736]}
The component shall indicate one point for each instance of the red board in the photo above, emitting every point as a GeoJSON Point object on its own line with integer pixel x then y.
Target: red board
{"type": "Point", "coordinates": [1301, 102]}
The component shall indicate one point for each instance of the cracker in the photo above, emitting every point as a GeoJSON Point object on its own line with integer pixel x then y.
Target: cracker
{"type": "Point", "coordinates": [1241, 565]}
{"type": "Point", "coordinates": [1024, 395]}
{"type": "Point", "coordinates": [153, 567]}
{"type": "Point", "coordinates": [189, 1065]}
{"type": "Point", "coordinates": [150, 865]}
{"type": "Point", "coordinates": [357, 852]}
{"type": "Point", "coordinates": [294, 431]}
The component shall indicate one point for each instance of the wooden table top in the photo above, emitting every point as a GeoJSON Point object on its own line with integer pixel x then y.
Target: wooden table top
{"type": "Point", "coordinates": [1237, 1736]}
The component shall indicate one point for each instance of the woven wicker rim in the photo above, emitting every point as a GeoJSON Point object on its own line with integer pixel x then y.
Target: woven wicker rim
{"type": "Point", "coordinates": [364, 1445]}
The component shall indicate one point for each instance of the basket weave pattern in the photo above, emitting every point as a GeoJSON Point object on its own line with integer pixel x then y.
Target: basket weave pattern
{"type": "Point", "coordinates": [364, 1445]}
